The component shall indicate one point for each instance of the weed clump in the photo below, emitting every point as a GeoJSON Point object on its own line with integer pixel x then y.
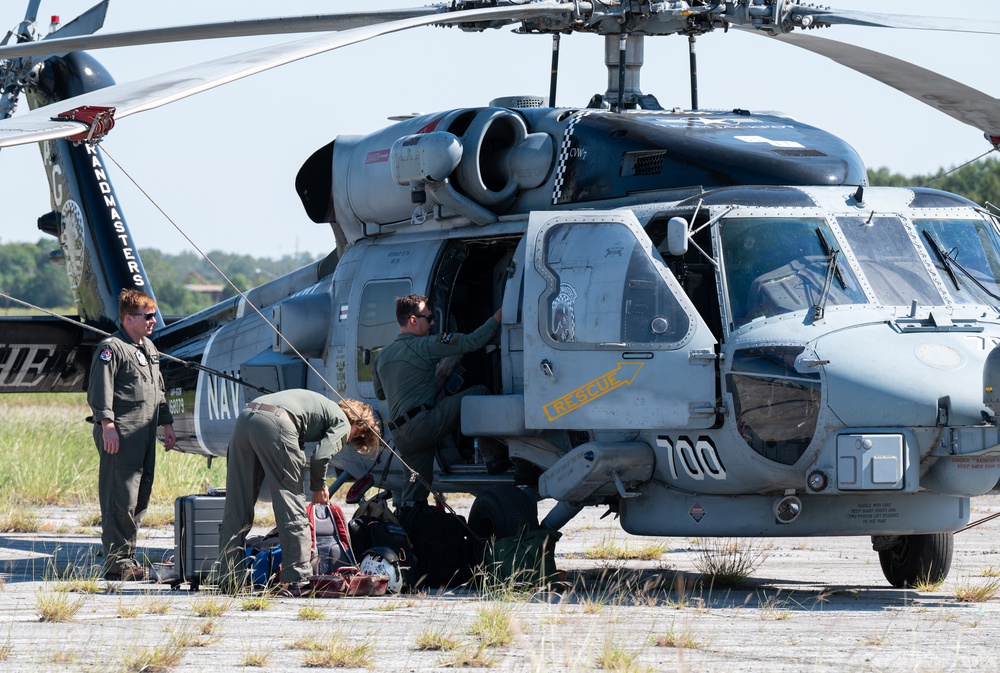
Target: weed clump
{"type": "Point", "coordinates": [729, 562]}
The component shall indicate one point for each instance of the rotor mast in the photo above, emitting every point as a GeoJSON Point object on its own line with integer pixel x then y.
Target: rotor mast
{"type": "Point", "coordinates": [623, 75]}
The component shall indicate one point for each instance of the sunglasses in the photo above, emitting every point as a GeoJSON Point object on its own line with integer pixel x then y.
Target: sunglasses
{"type": "Point", "coordinates": [429, 317]}
{"type": "Point", "coordinates": [145, 316]}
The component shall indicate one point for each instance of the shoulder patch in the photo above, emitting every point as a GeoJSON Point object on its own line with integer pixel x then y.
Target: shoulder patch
{"type": "Point", "coordinates": [105, 354]}
{"type": "Point", "coordinates": [446, 337]}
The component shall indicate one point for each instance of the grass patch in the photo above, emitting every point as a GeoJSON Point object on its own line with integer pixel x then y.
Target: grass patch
{"type": "Point", "coordinates": [926, 584]}
{"type": "Point", "coordinates": [156, 606]}
{"type": "Point", "coordinates": [311, 613]}
{"type": "Point", "coordinates": [159, 516]}
{"type": "Point", "coordinates": [680, 639]}
{"type": "Point", "coordinates": [337, 652]}
{"type": "Point", "coordinates": [611, 549]}
{"type": "Point", "coordinates": [127, 611]}
{"type": "Point", "coordinates": [729, 562]}
{"type": "Point", "coordinates": [65, 473]}
{"type": "Point", "coordinates": [968, 592]}
{"type": "Point", "coordinates": [469, 658]}
{"type": "Point", "coordinates": [57, 607]}
{"type": "Point", "coordinates": [494, 625]}
{"type": "Point", "coordinates": [615, 657]}
{"type": "Point", "coordinates": [257, 603]}
{"type": "Point", "coordinates": [20, 520]}
{"type": "Point", "coordinates": [62, 657]}
{"type": "Point", "coordinates": [254, 658]}
{"type": "Point", "coordinates": [432, 638]}
{"type": "Point", "coordinates": [211, 607]}
{"type": "Point", "coordinates": [80, 586]}
{"type": "Point", "coordinates": [157, 659]}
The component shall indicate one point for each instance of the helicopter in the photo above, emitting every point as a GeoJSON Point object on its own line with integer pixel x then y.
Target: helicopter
{"type": "Point", "coordinates": [713, 325]}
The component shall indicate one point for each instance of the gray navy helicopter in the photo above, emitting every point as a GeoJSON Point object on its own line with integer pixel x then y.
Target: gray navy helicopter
{"type": "Point", "coordinates": [712, 324]}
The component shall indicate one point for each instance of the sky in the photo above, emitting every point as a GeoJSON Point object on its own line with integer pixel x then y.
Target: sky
{"type": "Point", "coordinates": [222, 164]}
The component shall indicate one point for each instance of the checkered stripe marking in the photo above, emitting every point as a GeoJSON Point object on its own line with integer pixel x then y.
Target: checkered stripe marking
{"type": "Point", "coordinates": [564, 147]}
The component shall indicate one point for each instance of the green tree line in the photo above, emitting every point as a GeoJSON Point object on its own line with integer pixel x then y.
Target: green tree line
{"type": "Point", "coordinates": [978, 181]}
{"type": "Point", "coordinates": [27, 273]}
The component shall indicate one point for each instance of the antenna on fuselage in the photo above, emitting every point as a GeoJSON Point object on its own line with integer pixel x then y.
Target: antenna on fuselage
{"type": "Point", "coordinates": [555, 70]}
{"type": "Point", "coordinates": [693, 64]}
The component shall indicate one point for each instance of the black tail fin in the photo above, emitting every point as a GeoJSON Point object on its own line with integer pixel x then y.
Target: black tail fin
{"type": "Point", "coordinates": [100, 255]}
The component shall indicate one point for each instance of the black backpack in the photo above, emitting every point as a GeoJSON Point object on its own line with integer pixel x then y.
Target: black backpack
{"type": "Point", "coordinates": [444, 547]}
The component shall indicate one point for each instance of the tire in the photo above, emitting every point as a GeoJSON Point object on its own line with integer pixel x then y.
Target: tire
{"type": "Point", "coordinates": [501, 510]}
{"type": "Point", "coordinates": [918, 558]}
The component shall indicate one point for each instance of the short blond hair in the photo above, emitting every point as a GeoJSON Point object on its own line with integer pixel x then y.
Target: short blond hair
{"type": "Point", "coordinates": [362, 416]}
{"type": "Point", "coordinates": [134, 301]}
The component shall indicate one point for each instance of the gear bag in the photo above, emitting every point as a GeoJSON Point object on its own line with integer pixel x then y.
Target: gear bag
{"type": "Point", "coordinates": [525, 558]}
{"type": "Point", "coordinates": [330, 541]}
{"type": "Point", "coordinates": [374, 525]}
{"type": "Point", "coordinates": [263, 559]}
{"type": "Point", "coordinates": [444, 546]}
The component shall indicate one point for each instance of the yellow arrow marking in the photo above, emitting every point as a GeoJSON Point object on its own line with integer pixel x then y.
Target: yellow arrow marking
{"type": "Point", "coordinates": [591, 390]}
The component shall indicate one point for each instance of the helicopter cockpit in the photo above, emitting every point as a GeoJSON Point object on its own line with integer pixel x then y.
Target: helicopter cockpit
{"type": "Point", "coordinates": [776, 263]}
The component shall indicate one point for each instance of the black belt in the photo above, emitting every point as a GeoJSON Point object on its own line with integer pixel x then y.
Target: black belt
{"type": "Point", "coordinates": [269, 408]}
{"type": "Point", "coordinates": [400, 421]}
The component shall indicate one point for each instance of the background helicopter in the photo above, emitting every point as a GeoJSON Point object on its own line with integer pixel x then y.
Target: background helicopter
{"type": "Point", "coordinates": [561, 454]}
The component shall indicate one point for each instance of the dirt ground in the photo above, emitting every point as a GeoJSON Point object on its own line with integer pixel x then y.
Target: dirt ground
{"type": "Point", "coordinates": [813, 604]}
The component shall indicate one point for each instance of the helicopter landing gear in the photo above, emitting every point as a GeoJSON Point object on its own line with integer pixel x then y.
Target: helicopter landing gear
{"type": "Point", "coordinates": [910, 559]}
{"type": "Point", "coordinates": [501, 510]}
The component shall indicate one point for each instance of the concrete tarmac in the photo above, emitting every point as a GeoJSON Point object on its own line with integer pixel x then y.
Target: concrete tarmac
{"type": "Point", "coordinates": [812, 604]}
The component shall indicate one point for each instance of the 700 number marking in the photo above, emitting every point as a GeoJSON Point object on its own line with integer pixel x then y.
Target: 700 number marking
{"type": "Point", "coordinates": [698, 460]}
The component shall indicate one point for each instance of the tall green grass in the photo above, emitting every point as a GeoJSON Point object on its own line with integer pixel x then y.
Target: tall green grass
{"type": "Point", "coordinates": [50, 459]}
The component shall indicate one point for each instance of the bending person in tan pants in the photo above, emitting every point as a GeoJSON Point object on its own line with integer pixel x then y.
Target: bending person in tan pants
{"type": "Point", "coordinates": [267, 443]}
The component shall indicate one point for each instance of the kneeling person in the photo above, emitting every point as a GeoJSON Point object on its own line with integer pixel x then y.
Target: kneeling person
{"type": "Point", "coordinates": [268, 442]}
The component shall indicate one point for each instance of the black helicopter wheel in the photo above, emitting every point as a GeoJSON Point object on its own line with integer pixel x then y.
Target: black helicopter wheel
{"type": "Point", "coordinates": [918, 558]}
{"type": "Point", "coordinates": [501, 510]}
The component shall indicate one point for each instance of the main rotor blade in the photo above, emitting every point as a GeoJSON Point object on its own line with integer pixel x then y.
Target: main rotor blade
{"type": "Point", "coordinates": [152, 92]}
{"type": "Point", "coordinates": [63, 44]}
{"type": "Point", "coordinates": [853, 18]}
{"type": "Point", "coordinates": [967, 105]}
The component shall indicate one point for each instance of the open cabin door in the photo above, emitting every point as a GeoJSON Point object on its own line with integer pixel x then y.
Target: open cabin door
{"type": "Point", "coordinates": [611, 341]}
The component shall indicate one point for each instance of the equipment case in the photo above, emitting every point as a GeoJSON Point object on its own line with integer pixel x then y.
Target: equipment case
{"type": "Point", "coordinates": [197, 519]}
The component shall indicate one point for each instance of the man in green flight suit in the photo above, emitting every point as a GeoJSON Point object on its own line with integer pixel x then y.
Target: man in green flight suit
{"type": "Point", "coordinates": [126, 395]}
{"type": "Point", "coordinates": [267, 442]}
{"type": "Point", "coordinates": [403, 375]}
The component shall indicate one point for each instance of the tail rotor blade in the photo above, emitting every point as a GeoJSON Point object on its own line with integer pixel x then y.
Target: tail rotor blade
{"type": "Point", "coordinates": [87, 23]}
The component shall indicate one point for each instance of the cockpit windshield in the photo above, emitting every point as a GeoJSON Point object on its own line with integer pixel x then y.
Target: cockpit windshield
{"type": "Point", "coordinates": [779, 265]}
{"type": "Point", "coordinates": [776, 265]}
{"type": "Point", "coordinates": [966, 254]}
{"type": "Point", "coordinates": [890, 260]}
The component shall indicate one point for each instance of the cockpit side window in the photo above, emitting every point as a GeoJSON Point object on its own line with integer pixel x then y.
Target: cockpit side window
{"type": "Point", "coordinates": [966, 254]}
{"type": "Point", "coordinates": [889, 260]}
{"type": "Point", "coordinates": [377, 324]}
{"type": "Point", "coordinates": [779, 265]}
{"type": "Point", "coordinates": [608, 288]}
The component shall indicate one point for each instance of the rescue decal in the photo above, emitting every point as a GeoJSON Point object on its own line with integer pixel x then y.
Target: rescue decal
{"type": "Point", "coordinates": [697, 461]}
{"type": "Point", "coordinates": [622, 375]}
